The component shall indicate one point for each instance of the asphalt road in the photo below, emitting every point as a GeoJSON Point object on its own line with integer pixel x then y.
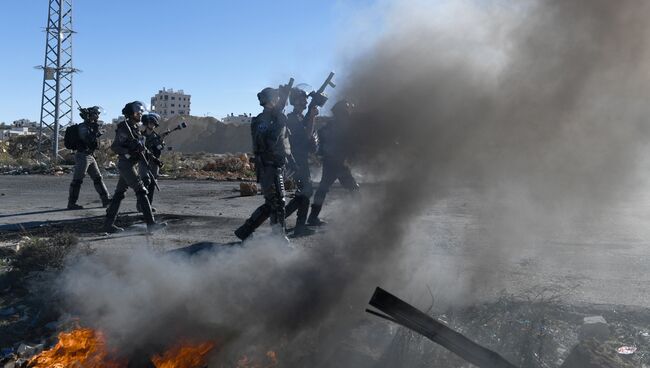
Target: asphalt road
{"type": "Point", "coordinates": [602, 261]}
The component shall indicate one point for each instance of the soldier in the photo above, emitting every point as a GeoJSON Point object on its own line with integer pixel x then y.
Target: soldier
{"type": "Point", "coordinates": [333, 156]}
{"type": "Point", "coordinates": [302, 144]}
{"type": "Point", "coordinates": [271, 148]}
{"type": "Point", "coordinates": [153, 143]}
{"type": "Point", "coordinates": [87, 143]}
{"type": "Point", "coordinates": [129, 145]}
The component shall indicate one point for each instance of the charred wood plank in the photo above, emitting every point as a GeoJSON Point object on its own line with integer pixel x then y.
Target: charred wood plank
{"type": "Point", "coordinates": [402, 313]}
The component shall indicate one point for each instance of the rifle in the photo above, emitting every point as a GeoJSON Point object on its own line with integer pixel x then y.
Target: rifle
{"type": "Point", "coordinates": [143, 158]}
{"type": "Point", "coordinates": [284, 95]}
{"type": "Point", "coordinates": [318, 99]}
{"type": "Point", "coordinates": [180, 126]}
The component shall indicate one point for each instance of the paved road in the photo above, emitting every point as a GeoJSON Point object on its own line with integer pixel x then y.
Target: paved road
{"type": "Point", "coordinates": [602, 260]}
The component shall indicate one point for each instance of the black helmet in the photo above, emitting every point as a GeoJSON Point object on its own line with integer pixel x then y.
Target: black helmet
{"type": "Point", "coordinates": [343, 106]}
{"type": "Point", "coordinates": [151, 118]}
{"type": "Point", "coordinates": [267, 95]}
{"type": "Point", "coordinates": [296, 96]}
{"type": "Point", "coordinates": [133, 107]}
{"type": "Point", "coordinates": [89, 113]}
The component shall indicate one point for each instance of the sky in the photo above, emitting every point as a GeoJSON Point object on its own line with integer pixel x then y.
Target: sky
{"type": "Point", "coordinates": [220, 52]}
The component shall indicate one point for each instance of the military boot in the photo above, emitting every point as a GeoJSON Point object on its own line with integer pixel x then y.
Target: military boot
{"type": "Point", "coordinates": [313, 219]}
{"type": "Point", "coordinates": [143, 203]}
{"type": "Point", "coordinates": [301, 228]}
{"type": "Point", "coordinates": [111, 216]}
{"type": "Point", "coordinates": [102, 191]}
{"type": "Point", "coordinates": [75, 188]}
{"type": "Point", "coordinates": [257, 218]}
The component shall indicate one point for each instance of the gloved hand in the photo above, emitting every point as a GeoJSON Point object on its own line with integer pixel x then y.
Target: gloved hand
{"type": "Point", "coordinates": [158, 162]}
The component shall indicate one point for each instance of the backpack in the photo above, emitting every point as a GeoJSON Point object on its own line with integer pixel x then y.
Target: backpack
{"type": "Point", "coordinates": [71, 140]}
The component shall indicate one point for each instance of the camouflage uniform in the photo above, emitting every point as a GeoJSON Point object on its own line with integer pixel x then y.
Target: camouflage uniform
{"type": "Point", "coordinates": [85, 163]}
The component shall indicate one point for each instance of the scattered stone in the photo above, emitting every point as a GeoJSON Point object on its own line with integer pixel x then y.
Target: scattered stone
{"type": "Point", "coordinates": [27, 351]}
{"type": "Point", "coordinates": [594, 327]}
{"type": "Point", "coordinates": [626, 350]}
{"type": "Point", "coordinates": [247, 189]}
{"type": "Point", "coordinates": [592, 354]}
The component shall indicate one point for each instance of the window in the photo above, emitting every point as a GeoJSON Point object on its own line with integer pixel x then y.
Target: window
{"type": "Point", "coordinates": [173, 98]}
{"type": "Point", "coordinates": [166, 97]}
{"type": "Point", "coordinates": [181, 112]}
{"type": "Point", "coordinates": [172, 105]}
{"type": "Point", "coordinates": [172, 111]}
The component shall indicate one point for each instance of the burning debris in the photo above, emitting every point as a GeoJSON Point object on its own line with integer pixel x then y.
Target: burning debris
{"type": "Point", "coordinates": [87, 348]}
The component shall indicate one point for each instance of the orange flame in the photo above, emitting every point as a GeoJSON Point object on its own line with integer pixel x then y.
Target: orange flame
{"type": "Point", "coordinates": [184, 356]}
{"type": "Point", "coordinates": [80, 348]}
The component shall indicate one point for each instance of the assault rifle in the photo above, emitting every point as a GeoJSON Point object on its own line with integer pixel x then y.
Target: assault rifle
{"type": "Point", "coordinates": [318, 99]}
{"type": "Point", "coordinates": [143, 157]}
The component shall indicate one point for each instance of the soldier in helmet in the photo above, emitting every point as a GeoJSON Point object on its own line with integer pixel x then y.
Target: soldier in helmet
{"type": "Point", "coordinates": [154, 143]}
{"type": "Point", "coordinates": [271, 149]}
{"type": "Point", "coordinates": [302, 144]}
{"type": "Point", "coordinates": [332, 151]}
{"type": "Point", "coordinates": [88, 142]}
{"type": "Point", "coordinates": [129, 145]}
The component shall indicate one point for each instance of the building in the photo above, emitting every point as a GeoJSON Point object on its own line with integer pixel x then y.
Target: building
{"type": "Point", "coordinates": [25, 123]}
{"type": "Point", "coordinates": [237, 119]}
{"type": "Point", "coordinates": [168, 103]}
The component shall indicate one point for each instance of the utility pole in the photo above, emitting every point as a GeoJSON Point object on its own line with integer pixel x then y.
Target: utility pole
{"type": "Point", "coordinates": [56, 98]}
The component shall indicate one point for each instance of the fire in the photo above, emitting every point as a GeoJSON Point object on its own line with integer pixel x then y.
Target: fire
{"type": "Point", "coordinates": [86, 348]}
{"type": "Point", "coordinates": [184, 356]}
{"type": "Point", "coordinates": [80, 348]}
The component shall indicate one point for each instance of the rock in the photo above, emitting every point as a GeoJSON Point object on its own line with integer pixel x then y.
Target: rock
{"type": "Point", "coordinates": [247, 189]}
{"type": "Point", "coordinates": [591, 354]}
{"type": "Point", "coordinates": [27, 351]}
{"type": "Point", "coordinates": [594, 327]}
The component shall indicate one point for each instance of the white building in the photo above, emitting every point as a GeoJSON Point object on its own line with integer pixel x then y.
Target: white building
{"type": "Point", "coordinates": [237, 119]}
{"type": "Point", "coordinates": [25, 123]}
{"type": "Point", "coordinates": [168, 103]}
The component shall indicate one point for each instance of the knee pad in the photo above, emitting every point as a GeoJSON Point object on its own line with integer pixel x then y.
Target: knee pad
{"type": "Point", "coordinates": [76, 182]}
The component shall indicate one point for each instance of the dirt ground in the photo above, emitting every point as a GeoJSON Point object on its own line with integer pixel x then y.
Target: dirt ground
{"type": "Point", "coordinates": [604, 260]}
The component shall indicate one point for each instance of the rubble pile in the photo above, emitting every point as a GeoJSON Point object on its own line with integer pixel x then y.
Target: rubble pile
{"type": "Point", "coordinates": [207, 166]}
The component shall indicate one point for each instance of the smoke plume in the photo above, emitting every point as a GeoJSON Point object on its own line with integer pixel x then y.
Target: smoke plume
{"type": "Point", "coordinates": [538, 106]}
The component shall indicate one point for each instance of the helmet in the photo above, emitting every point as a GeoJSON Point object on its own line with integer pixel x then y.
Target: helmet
{"type": "Point", "coordinates": [151, 118]}
{"type": "Point", "coordinates": [297, 95]}
{"type": "Point", "coordinates": [267, 95]}
{"type": "Point", "coordinates": [90, 113]}
{"type": "Point", "coordinates": [342, 107]}
{"type": "Point", "coordinates": [133, 107]}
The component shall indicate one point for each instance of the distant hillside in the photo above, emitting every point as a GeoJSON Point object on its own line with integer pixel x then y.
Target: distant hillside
{"type": "Point", "coordinates": [203, 134]}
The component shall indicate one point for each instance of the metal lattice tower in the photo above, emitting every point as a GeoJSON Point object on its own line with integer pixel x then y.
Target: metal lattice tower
{"type": "Point", "coordinates": [56, 100]}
